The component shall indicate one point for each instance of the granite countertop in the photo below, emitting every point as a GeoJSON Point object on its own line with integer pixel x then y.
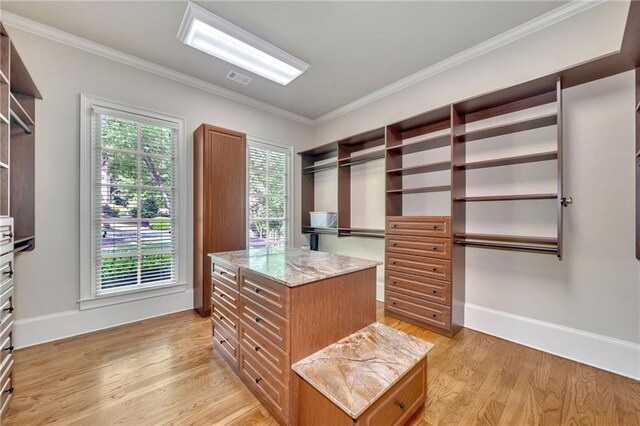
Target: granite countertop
{"type": "Point", "coordinates": [293, 266]}
{"type": "Point", "coordinates": [355, 371]}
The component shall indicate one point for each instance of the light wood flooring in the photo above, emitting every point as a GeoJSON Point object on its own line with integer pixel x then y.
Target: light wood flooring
{"type": "Point", "coordinates": [163, 371]}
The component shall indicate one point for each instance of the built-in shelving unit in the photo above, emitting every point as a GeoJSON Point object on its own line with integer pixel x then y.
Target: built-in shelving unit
{"type": "Point", "coordinates": [638, 163]}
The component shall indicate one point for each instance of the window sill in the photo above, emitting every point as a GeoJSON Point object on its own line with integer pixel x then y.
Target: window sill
{"type": "Point", "coordinates": [126, 296]}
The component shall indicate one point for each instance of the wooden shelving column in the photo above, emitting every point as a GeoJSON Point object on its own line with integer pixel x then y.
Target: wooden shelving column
{"type": "Point", "coordinates": [535, 93]}
{"type": "Point", "coordinates": [638, 163]}
{"type": "Point", "coordinates": [321, 158]}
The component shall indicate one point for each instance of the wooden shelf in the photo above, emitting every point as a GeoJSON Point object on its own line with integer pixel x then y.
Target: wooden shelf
{"type": "Point", "coordinates": [16, 107]}
{"type": "Point", "coordinates": [638, 107]}
{"type": "Point", "coordinates": [319, 168]}
{"type": "Point", "coordinates": [420, 189]}
{"type": "Point", "coordinates": [321, 152]}
{"type": "Point", "coordinates": [515, 197]}
{"type": "Point", "coordinates": [21, 81]}
{"type": "Point", "coordinates": [361, 158]}
{"type": "Point", "coordinates": [505, 129]}
{"type": "Point", "coordinates": [423, 168]}
{"type": "Point", "coordinates": [18, 240]}
{"type": "Point", "coordinates": [3, 118]}
{"type": "Point", "coordinates": [4, 165]}
{"type": "Point", "coordinates": [318, 230]}
{"type": "Point", "coordinates": [3, 78]}
{"type": "Point", "coordinates": [507, 161]}
{"type": "Point", "coordinates": [422, 145]}
{"type": "Point", "coordinates": [508, 238]}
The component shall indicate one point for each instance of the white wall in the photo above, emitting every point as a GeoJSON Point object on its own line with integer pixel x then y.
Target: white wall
{"type": "Point", "coordinates": [592, 297]}
{"type": "Point", "coordinates": [47, 279]}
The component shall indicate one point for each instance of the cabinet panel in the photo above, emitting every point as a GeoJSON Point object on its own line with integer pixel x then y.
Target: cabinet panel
{"type": "Point", "coordinates": [419, 226]}
{"type": "Point", "coordinates": [266, 292]}
{"type": "Point", "coordinates": [424, 266]}
{"type": "Point", "coordinates": [436, 291]}
{"type": "Point", "coordinates": [419, 246]}
{"type": "Point", "coordinates": [419, 310]}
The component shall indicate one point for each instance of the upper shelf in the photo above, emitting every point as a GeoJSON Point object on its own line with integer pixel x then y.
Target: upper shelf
{"type": "Point", "coordinates": [505, 129]}
{"type": "Point", "coordinates": [422, 145]}
{"type": "Point", "coordinates": [361, 158]}
{"type": "Point", "coordinates": [319, 167]}
{"type": "Point", "coordinates": [21, 81]}
{"type": "Point", "coordinates": [423, 168]}
{"type": "Point", "coordinates": [507, 161]}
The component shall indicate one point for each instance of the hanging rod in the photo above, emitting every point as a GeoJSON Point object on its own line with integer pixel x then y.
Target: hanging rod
{"type": "Point", "coordinates": [361, 161]}
{"type": "Point", "coordinates": [320, 169]}
{"type": "Point", "coordinates": [508, 247]}
{"type": "Point", "coordinates": [20, 123]}
{"type": "Point", "coordinates": [22, 248]}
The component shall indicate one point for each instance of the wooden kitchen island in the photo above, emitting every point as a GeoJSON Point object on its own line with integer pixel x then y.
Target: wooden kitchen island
{"type": "Point", "coordinates": [272, 307]}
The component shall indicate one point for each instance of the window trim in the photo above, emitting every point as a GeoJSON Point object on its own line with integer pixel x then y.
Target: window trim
{"type": "Point", "coordinates": [89, 297]}
{"type": "Point", "coordinates": [290, 185]}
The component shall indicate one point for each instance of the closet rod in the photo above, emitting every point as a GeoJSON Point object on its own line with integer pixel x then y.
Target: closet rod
{"type": "Point", "coordinates": [508, 247]}
{"type": "Point", "coordinates": [20, 123]}
{"type": "Point", "coordinates": [361, 161]}
{"type": "Point", "coordinates": [319, 169]}
{"type": "Point", "coordinates": [22, 248]}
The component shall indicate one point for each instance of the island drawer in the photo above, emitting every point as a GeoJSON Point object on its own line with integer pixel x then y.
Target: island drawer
{"type": "Point", "coordinates": [224, 295]}
{"type": "Point", "coordinates": [223, 274]}
{"type": "Point", "coordinates": [419, 246]}
{"type": "Point", "coordinates": [269, 390]}
{"type": "Point", "coordinates": [426, 266]}
{"type": "Point", "coordinates": [266, 352]}
{"type": "Point", "coordinates": [400, 402]}
{"type": "Point", "coordinates": [268, 293]}
{"type": "Point", "coordinates": [225, 344]}
{"type": "Point", "coordinates": [266, 322]}
{"type": "Point", "coordinates": [223, 317]}
{"type": "Point", "coordinates": [419, 226]}
{"type": "Point", "coordinates": [436, 291]}
{"type": "Point", "coordinates": [418, 310]}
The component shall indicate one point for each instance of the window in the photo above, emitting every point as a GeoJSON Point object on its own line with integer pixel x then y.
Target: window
{"type": "Point", "coordinates": [132, 200]}
{"type": "Point", "coordinates": [269, 200]}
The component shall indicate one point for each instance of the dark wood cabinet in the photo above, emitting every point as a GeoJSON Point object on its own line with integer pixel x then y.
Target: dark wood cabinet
{"type": "Point", "coordinates": [219, 203]}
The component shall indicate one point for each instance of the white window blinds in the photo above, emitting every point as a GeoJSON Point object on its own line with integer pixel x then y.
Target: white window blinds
{"type": "Point", "coordinates": [269, 194]}
{"type": "Point", "coordinates": [133, 201]}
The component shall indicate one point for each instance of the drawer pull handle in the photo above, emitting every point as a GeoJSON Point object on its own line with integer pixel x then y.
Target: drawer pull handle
{"type": "Point", "coordinates": [7, 235]}
{"type": "Point", "coordinates": [257, 379]}
{"type": "Point", "coordinates": [9, 309]}
{"type": "Point", "coordinates": [434, 248]}
{"type": "Point", "coordinates": [10, 390]}
{"type": "Point", "coordinates": [258, 290]}
{"type": "Point", "coordinates": [257, 348]}
{"type": "Point", "coordinates": [435, 227]}
{"type": "Point", "coordinates": [395, 282]}
{"type": "Point", "coordinates": [393, 303]}
{"type": "Point", "coordinates": [221, 317]}
{"type": "Point", "coordinates": [434, 291]}
{"type": "Point", "coordinates": [258, 319]}
{"type": "Point", "coordinates": [395, 225]}
{"type": "Point", "coordinates": [221, 272]}
{"type": "Point", "coordinates": [393, 262]}
{"type": "Point", "coordinates": [394, 244]}
{"type": "Point", "coordinates": [9, 272]}
{"type": "Point", "coordinates": [434, 269]}
{"type": "Point", "coordinates": [10, 348]}
{"type": "Point", "coordinates": [222, 341]}
{"type": "Point", "coordinates": [433, 315]}
{"type": "Point", "coordinates": [400, 404]}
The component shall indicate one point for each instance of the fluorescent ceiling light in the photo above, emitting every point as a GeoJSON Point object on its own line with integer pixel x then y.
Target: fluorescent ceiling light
{"type": "Point", "coordinates": [217, 37]}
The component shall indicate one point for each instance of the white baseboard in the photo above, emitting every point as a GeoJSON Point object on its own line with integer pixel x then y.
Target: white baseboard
{"type": "Point", "coordinates": [614, 355]}
{"type": "Point", "coordinates": [380, 291]}
{"type": "Point", "coordinates": [46, 328]}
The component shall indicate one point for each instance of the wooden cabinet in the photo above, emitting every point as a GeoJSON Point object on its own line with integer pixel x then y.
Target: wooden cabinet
{"type": "Point", "coordinates": [219, 178]}
{"type": "Point", "coordinates": [418, 272]}
{"type": "Point", "coordinates": [272, 325]}
{"type": "Point", "coordinates": [7, 316]}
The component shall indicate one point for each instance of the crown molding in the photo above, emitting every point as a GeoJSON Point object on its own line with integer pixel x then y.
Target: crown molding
{"type": "Point", "coordinates": [24, 24]}
{"type": "Point", "coordinates": [559, 14]}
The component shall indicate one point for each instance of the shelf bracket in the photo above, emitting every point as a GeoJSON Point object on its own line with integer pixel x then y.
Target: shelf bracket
{"type": "Point", "coordinates": [566, 201]}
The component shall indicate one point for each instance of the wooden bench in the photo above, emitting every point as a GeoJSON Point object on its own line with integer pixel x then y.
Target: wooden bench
{"type": "Point", "coordinates": [376, 376]}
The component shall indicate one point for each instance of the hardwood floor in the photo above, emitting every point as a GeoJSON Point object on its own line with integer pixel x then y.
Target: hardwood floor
{"type": "Point", "coordinates": [163, 371]}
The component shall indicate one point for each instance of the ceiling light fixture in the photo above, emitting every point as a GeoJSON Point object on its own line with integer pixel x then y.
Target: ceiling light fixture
{"type": "Point", "coordinates": [209, 33]}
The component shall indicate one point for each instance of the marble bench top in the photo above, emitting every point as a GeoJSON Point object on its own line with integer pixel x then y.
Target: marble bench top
{"type": "Point", "coordinates": [355, 371]}
{"type": "Point", "coordinates": [293, 266]}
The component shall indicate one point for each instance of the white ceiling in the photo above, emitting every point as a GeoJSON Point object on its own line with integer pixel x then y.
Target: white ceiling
{"type": "Point", "coordinates": [354, 48]}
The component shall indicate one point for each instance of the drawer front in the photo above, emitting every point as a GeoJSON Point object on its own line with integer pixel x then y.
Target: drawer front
{"type": "Point", "coordinates": [225, 344]}
{"type": "Point", "coordinates": [266, 322]}
{"type": "Point", "coordinates": [6, 308]}
{"type": "Point", "coordinates": [267, 353]}
{"type": "Point", "coordinates": [6, 393]}
{"type": "Point", "coordinates": [6, 272]}
{"type": "Point", "coordinates": [419, 226]}
{"type": "Point", "coordinates": [6, 235]}
{"type": "Point", "coordinates": [429, 267]}
{"type": "Point", "coordinates": [225, 275]}
{"type": "Point", "coordinates": [271, 391]}
{"type": "Point", "coordinates": [419, 310]}
{"type": "Point", "coordinates": [423, 288]}
{"type": "Point", "coordinates": [221, 294]}
{"type": "Point", "coordinates": [419, 246]}
{"type": "Point", "coordinates": [6, 344]}
{"type": "Point", "coordinates": [223, 317]}
{"type": "Point", "coordinates": [400, 402]}
{"type": "Point", "coordinates": [273, 295]}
